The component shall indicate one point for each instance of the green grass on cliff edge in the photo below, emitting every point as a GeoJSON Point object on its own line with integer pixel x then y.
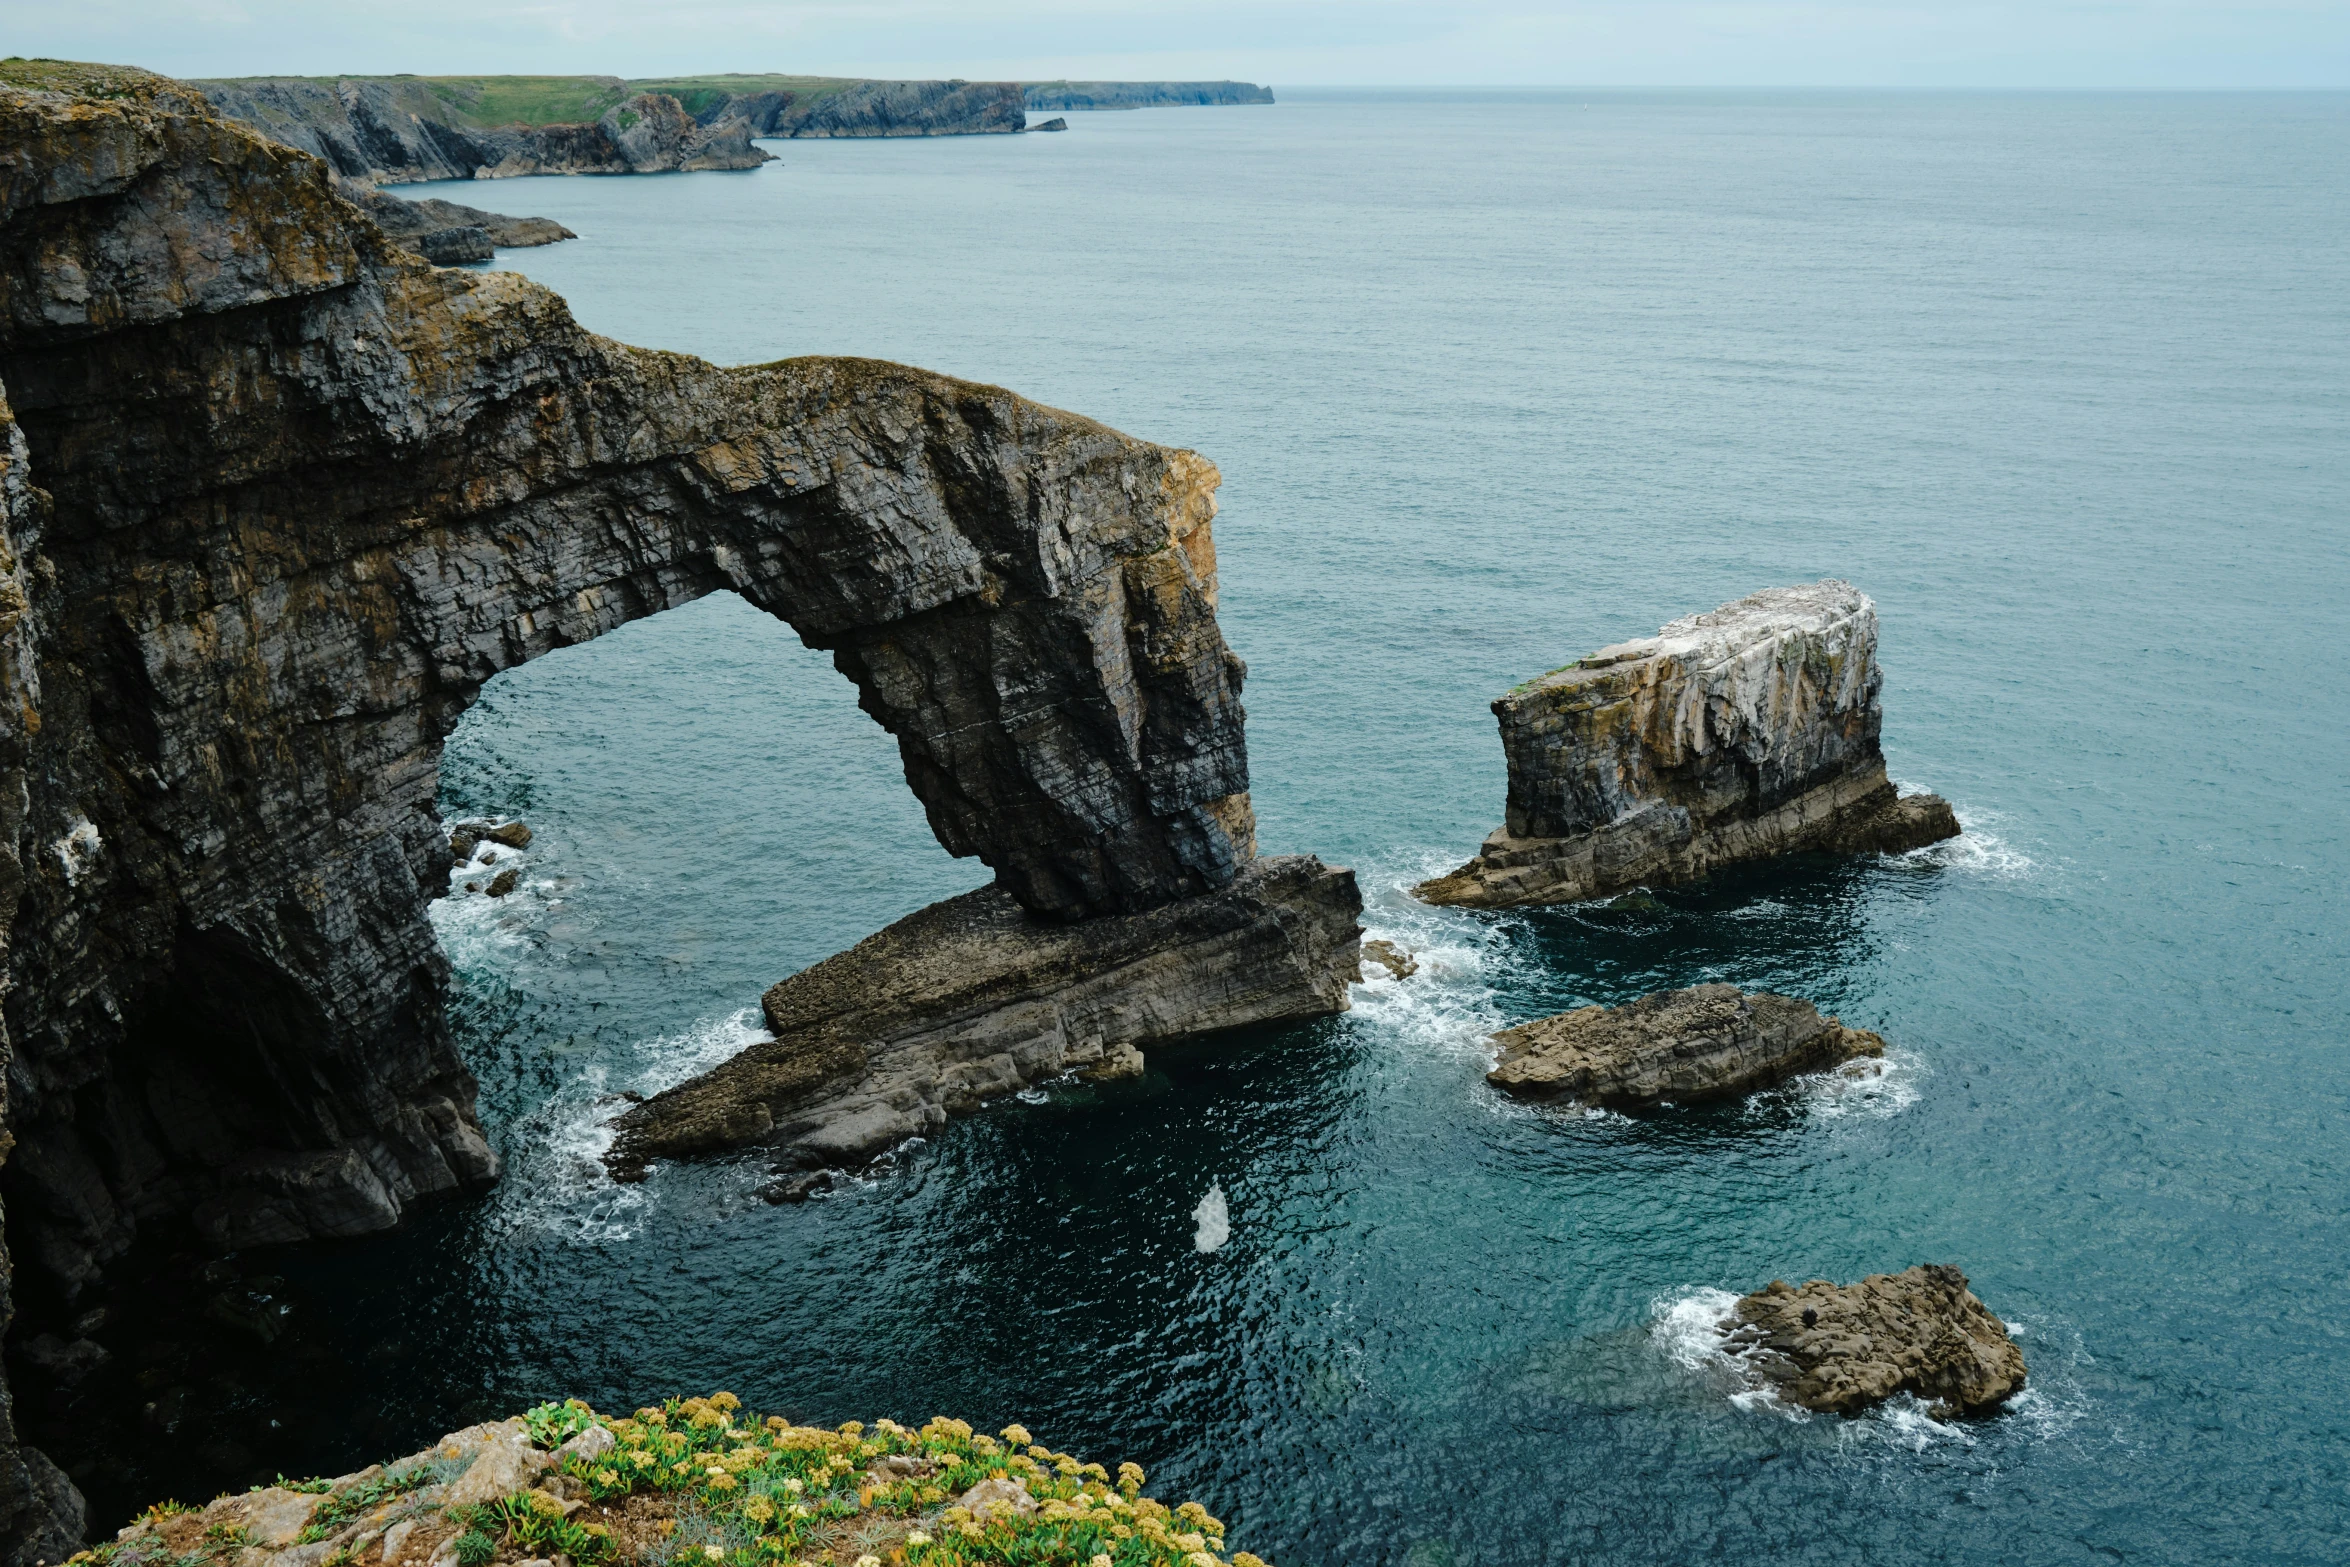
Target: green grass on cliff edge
{"type": "Point", "coordinates": [698, 1482]}
{"type": "Point", "coordinates": [78, 77]}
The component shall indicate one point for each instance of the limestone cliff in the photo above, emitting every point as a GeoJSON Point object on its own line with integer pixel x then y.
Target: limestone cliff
{"type": "Point", "coordinates": [300, 494]}
{"type": "Point", "coordinates": [395, 130]}
{"type": "Point", "coordinates": [1748, 731]}
{"type": "Point", "coordinates": [400, 129]}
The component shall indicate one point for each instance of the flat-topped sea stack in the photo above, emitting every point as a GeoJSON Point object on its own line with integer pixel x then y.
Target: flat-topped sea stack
{"type": "Point", "coordinates": [1677, 1046]}
{"type": "Point", "coordinates": [972, 998]}
{"type": "Point", "coordinates": [1845, 1349]}
{"type": "Point", "coordinates": [1743, 733]}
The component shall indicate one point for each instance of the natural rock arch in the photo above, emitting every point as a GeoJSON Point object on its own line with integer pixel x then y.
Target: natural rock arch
{"type": "Point", "coordinates": [301, 494]}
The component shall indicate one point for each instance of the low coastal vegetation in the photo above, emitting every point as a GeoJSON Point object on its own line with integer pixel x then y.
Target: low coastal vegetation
{"type": "Point", "coordinates": [694, 1482]}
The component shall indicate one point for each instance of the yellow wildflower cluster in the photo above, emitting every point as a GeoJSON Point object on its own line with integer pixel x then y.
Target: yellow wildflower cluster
{"type": "Point", "coordinates": [734, 1490]}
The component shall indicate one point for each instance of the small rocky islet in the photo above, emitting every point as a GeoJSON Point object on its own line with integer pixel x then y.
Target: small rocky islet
{"type": "Point", "coordinates": [1843, 1350]}
{"type": "Point", "coordinates": [694, 1480]}
{"type": "Point", "coordinates": [1674, 1047]}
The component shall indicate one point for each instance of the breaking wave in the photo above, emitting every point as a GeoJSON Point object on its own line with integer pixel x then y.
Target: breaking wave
{"type": "Point", "coordinates": [556, 1182]}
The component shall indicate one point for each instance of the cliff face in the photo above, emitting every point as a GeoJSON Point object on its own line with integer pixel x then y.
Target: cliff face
{"type": "Point", "coordinates": [952, 108]}
{"type": "Point", "coordinates": [305, 493]}
{"type": "Point", "coordinates": [397, 130]}
{"type": "Point", "coordinates": [1747, 731]}
{"type": "Point", "coordinates": [1142, 95]}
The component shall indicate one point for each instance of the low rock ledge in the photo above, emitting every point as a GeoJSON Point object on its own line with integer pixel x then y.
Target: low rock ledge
{"type": "Point", "coordinates": [1845, 1349]}
{"type": "Point", "coordinates": [1706, 1042]}
{"type": "Point", "coordinates": [971, 999]}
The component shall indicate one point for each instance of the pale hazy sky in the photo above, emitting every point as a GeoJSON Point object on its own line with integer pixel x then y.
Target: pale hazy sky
{"type": "Point", "coordinates": [1971, 43]}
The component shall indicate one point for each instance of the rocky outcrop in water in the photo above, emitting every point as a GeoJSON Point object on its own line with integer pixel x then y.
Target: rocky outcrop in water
{"type": "Point", "coordinates": [448, 233]}
{"type": "Point", "coordinates": [971, 998]}
{"type": "Point", "coordinates": [1142, 95]}
{"type": "Point", "coordinates": [1743, 733]}
{"type": "Point", "coordinates": [396, 130]}
{"type": "Point", "coordinates": [1706, 1042]}
{"type": "Point", "coordinates": [280, 496]}
{"type": "Point", "coordinates": [1845, 1349]}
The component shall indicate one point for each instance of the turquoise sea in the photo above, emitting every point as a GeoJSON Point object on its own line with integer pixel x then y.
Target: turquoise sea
{"type": "Point", "coordinates": [1495, 379]}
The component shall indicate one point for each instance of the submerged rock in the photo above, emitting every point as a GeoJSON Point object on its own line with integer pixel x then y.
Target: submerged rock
{"type": "Point", "coordinates": [1844, 1349]}
{"type": "Point", "coordinates": [971, 998]}
{"type": "Point", "coordinates": [1743, 733]}
{"type": "Point", "coordinates": [66, 1360]}
{"type": "Point", "coordinates": [1398, 963]}
{"type": "Point", "coordinates": [1706, 1042]}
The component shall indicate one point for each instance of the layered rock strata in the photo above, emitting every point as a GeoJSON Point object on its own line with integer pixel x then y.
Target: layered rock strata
{"type": "Point", "coordinates": [1845, 1349]}
{"type": "Point", "coordinates": [973, 998]}
{"type": "Point", "coordinates": [1681, 1046]}
{"type": "Point", "coordinates": [397, 130]}
{"type": "Point", "coordinates": [1743, 733]}
{"type": "Point", "coordinates": [280, 496]}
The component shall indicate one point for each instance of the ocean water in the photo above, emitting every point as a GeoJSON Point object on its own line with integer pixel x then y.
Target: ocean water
{"type": "Point", "coordinates": [1495, 379]}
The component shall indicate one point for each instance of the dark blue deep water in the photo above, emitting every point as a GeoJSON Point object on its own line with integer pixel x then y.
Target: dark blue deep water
{"type": "Point", "coordinates": [2064, 382]}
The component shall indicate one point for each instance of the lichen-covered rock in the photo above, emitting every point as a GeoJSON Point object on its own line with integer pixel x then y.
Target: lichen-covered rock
{"type": "Point", "coordinates": [970, 998]}
{"type": "Point", "coordinates": [1748, 731]}
{"type": "Point", "coordinates": [1842, 1349]}
{"type": "Point", "coordinates": [503, 1462]}
{"type": "Point", "coordinates": [1706, 1042]}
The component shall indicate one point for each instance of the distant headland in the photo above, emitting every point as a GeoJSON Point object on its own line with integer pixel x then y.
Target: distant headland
{"type": "Point", "coordinates": [390, 130]}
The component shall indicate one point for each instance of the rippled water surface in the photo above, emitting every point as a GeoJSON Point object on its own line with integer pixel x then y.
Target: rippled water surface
{"type": "Point", "coordinates": [2063, 382]}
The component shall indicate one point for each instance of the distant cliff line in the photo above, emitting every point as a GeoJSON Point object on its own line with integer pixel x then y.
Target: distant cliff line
{"type": "Point", "coordinates": [398, 129]}
{"type": "Point", "coordinates": [1059, 96]}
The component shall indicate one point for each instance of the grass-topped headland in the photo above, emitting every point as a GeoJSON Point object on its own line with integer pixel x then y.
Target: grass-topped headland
{"type": "Point", "coordinates": [493, 102]}
{"type": "Point", "coordinates": [695, 1482]}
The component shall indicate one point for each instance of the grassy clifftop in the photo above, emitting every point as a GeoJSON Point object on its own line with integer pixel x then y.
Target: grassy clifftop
{"type": "Point", "coordinates": [693, 1483]}
{"type": "Point", "coordinates": [491, 102]}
